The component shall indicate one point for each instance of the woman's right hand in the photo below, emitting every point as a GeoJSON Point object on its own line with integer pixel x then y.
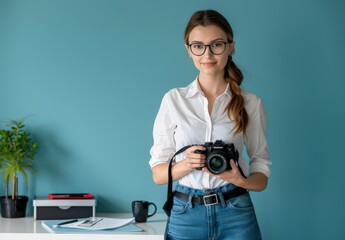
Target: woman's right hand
{"type": "Point", "coordinates": [194, 158]}
{"type": "Point", "coordinates": [180, 169]}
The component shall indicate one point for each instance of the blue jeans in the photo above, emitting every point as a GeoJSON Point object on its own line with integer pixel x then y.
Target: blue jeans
{"type": "Point", "coordinates": [233, 219]}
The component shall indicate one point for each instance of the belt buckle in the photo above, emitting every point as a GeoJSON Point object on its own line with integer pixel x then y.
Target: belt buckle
{"type": "Point", "coordinates": [213, 199]}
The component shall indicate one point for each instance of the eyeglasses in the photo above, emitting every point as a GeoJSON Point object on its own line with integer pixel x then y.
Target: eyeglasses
{"type": "Point", "coordinates": [216, 48]}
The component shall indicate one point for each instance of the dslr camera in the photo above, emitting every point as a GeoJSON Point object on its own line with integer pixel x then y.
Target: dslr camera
{"type": "Point", "coordinates": [218, 155]}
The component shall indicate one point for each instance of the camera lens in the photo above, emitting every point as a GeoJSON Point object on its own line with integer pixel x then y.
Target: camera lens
{"type": "Point", "coordinates": [216, 163]}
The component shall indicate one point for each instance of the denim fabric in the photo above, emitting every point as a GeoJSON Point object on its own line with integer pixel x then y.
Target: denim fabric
{"type": "Point", "coordinates": [234, 219]}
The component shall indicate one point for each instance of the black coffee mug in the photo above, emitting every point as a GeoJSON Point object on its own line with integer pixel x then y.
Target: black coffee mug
{"type": "Point", "coordinates": [140, 210]}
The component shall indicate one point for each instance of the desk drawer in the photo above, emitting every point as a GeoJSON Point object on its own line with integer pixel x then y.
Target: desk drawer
{"type": "Point", "coordinates": [63, 209]}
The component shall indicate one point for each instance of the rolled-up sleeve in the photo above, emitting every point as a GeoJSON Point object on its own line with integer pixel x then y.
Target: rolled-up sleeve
{"type": "Point", "coordinates": [163, 135]}
{"type": "Point", "coordinates": [256, 141]}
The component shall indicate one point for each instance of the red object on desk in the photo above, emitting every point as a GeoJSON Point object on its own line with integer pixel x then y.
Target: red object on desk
{"type": "Point", "coordinates": [70, 196]}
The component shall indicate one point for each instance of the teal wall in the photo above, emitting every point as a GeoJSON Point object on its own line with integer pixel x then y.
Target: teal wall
{"type": "Point", "coordinates": [92, 74]}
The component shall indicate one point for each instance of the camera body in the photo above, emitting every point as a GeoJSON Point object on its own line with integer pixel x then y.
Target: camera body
{"type": "Point", "coordinates": [218, 155]}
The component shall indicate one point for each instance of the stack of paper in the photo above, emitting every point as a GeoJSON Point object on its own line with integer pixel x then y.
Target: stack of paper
{"type": "Point", "coordinates": [107, 225]}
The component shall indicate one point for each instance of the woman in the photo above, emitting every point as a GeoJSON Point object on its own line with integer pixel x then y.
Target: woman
{"type": "Point", "coordinates": [213, 107]}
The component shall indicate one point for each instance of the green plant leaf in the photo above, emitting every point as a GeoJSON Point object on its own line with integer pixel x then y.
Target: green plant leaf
{"type": "Point", "coordinates": [17, 151]}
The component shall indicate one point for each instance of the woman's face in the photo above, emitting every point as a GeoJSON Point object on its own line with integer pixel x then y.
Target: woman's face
{"type": "Point", "coordinates": [209, 63]}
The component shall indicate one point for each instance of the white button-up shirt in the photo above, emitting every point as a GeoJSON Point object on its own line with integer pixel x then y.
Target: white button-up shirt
{"type": "Point", "coordinates": [183, 119]}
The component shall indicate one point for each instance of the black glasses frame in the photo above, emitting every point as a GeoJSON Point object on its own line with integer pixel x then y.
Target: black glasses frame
{"type": "Point", "coordinates": [209, 46]}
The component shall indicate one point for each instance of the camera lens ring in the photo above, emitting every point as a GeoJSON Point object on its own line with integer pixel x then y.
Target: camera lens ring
{"type": "Point", "coordinates": [213, 166]}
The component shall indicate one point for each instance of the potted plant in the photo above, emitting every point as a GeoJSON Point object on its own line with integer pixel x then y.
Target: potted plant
{"type": "Point", "coordinates": [17, 151]}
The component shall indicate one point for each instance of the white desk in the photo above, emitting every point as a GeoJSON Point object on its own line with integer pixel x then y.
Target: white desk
{"type": "Point", "coordinates": [27, 228]}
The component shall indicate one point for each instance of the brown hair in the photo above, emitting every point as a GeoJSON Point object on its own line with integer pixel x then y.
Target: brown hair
{"type": "Point", "coordinates": [232, 73]}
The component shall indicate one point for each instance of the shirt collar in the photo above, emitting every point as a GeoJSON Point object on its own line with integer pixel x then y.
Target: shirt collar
{"type": "Point", "coordinates": [194, 88]}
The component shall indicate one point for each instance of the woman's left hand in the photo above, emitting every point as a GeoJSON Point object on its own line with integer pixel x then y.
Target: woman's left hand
{"type": "Point", "coordinates": [231, 176]}
{"type": "Point", "coordinates": [256, 181]}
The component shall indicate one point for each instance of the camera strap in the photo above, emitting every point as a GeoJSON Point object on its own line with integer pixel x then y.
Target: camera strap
{"type": "Point", "coordinates": [240, 169]}
{"type": "Point", "coordinates": [170, 196]}
{"type": "Point", "coordinates": [169, 170]}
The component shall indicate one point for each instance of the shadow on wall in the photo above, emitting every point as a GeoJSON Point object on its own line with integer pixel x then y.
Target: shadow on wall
{"type": "Point", "coordinates": [50, 161]}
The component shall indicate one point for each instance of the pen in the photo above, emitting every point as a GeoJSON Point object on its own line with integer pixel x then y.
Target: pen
{"type": "Point", "coordinates": [67, 222]}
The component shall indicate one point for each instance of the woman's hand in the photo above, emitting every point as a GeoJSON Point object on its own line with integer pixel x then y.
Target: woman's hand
{"type": "Point", "coordinates": [182, 168]}
{"type": "Point", "coordinates": [233, 175]}
{"type": "Point", "coordinates": [255, 182]}
{"type": "Point", "coordinates": [194, 160]}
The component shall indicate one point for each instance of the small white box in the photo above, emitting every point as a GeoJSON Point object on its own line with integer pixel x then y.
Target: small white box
{"type": "Point", "coordinates": [47, 209]}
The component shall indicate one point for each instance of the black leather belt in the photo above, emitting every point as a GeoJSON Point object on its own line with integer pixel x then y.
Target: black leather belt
{"type": "Point", "coordinates": [211, 198]}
